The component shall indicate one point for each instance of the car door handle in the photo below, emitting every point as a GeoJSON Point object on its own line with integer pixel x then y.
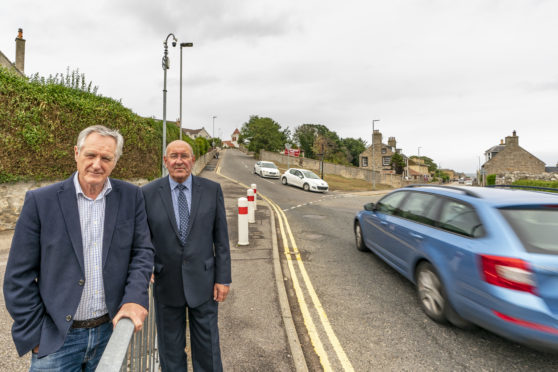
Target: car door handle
{"type": "Point", "coordinates": [416, 236]}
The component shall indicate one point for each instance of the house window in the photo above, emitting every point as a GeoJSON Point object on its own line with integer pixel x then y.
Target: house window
{"type": "Point", "coordinates": [364, 161]}
{"type": "Point", "coordinates": [384, 150]}
{"type": "Point", "coordinates": [386, 160]}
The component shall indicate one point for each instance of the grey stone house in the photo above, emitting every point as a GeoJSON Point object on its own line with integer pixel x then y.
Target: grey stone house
{"type": "Point", "coordinates": [509, 157]}
{"type": "Point", "coordinates": [378, 155]}
{"type": "Point", "coordinates": [18, 66]}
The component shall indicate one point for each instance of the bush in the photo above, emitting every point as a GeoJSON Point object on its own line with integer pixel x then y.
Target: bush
{"type": "Point", "coordinates": [40, 122]}
{"type": "Point", "coordinates": [536, 183]}
{"type": "Point", "coordinates": [491, 179]}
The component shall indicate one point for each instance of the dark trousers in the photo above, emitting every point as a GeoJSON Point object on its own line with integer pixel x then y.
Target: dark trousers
{"type": "Point", "coordinates": [204, 337]}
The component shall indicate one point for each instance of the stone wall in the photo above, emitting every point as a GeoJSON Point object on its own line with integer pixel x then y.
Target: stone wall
{"type": "Point", "coordinates": [393, 180]}
{"type": "Point", "coordinates": [12, 195]}
{"type": "Point", "coordinates": [509, 178]}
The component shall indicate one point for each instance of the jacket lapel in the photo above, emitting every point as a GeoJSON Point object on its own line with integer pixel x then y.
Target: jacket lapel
{"type": "Point", "coordinates": [112, 202]}
{"type": "Point", "coordinates": [68, 205]}
{"type": "Point", "coordinates": [166, 197]}
{"type": "Point", "coordinates": [196, 196]}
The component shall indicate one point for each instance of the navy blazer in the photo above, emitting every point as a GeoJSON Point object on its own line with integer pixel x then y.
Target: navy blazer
{"type": "Point", "coordinates": [205, 259]}
{"type": "Point", "coordinates": [44, 275]}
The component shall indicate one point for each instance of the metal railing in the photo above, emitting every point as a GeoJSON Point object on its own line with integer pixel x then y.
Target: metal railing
{"type": "Point", "coordinates": [127, 351]}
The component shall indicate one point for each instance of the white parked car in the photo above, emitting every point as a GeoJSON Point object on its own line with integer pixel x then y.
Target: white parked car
{"type": "Point", "coordinates": [266, 169]}
{"type": "Point", "coordinates": [305, 179]}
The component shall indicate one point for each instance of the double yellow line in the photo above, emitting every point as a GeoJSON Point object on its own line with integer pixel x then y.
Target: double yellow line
{"type": "Point", "coordinates": [291, 252]}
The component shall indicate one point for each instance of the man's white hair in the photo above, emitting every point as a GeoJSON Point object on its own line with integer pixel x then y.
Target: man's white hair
{"type": "Point", "coordinates": [105, 132]}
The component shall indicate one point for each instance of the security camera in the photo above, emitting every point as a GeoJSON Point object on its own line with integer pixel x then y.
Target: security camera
{"type": "Point", "coordinates": [174, 43]}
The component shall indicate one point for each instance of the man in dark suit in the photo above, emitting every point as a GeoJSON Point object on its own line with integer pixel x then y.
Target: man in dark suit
{"type": "Point", "coordinates": [80, 256]}
{"type": "Point", "coordinates": [186, 215]}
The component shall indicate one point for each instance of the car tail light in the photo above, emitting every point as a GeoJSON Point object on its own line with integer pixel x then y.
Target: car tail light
{"type": "Point", "coordinates": [508, 272]}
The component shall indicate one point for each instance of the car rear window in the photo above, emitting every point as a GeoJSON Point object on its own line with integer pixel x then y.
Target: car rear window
{"type": "Point", "coordinates": [460, 218]}
{"type": "Point", "coordinates": [536, 227]}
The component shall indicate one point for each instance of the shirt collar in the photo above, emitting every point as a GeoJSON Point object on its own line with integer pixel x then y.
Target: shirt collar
{"type": "Point", "coordinates": [187, 183]}
{"type": "Point", "coordinates": [106, 188]}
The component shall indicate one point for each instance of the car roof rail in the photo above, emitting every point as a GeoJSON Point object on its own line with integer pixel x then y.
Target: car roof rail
{"type": "Point", "coordinates": [525, 187]}
{"type": "Point", "coordinates": [462, 189]}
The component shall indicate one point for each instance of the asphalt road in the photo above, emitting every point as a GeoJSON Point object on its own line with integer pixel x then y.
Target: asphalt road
{"type": "Point", "coordinates": [372, 310]}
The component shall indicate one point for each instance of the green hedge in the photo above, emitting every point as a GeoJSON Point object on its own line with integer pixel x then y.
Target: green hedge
{"type": "Point", "coordinates": [537, 183]}
{"type": "Point", "coordinates": [39, 125]}
{"type": "Point", "coordinates": [491, 179]}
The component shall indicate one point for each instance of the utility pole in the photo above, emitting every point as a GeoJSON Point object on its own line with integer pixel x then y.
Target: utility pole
{"type": "Point", "coordinates": [373, 159]}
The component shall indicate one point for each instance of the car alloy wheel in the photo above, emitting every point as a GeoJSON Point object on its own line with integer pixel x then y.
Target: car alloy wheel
{"type": "Point", "coordinates": [284, 181]}
{"type": "Point", "coordinates": [431, 293]}
{"type": "Point", "coordinates": [306, 187]}
{"type": "Point", "coordinates": [358, 238]}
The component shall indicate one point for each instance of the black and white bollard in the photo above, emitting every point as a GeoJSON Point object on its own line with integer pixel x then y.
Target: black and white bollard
{"type": "Point", "coordinates": [242, 221]}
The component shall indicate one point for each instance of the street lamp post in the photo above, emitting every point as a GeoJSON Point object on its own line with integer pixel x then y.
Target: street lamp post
{"type": "Point", "coordinates": [373, 162]}
{"type": "Point", "coordinates": [182, 45]}
{"type": "Point", "coordinates": [165, 68]}
{"type": "Point", "coordinates": [213, 132]}
{"type": "Point", "coordinates": [419, 163]}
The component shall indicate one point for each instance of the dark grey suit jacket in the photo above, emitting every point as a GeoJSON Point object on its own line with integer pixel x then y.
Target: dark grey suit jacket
{"type": "Point", "coordinates": [44, 275]}
{"type": "Point", "coordinates": [205, 259]}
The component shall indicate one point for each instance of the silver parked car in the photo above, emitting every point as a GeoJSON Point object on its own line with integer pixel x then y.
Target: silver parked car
{"type": "Point", "coordinates": [304, 179]}
{"type": "Point", "coordinates": [266, 169]}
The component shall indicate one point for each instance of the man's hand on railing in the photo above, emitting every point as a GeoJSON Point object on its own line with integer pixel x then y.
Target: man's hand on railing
{"type": "Point", "coordinates": [135, 312]}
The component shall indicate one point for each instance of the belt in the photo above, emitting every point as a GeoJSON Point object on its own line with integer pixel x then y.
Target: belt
{"type": "Point", "coordinates": [91, 323]}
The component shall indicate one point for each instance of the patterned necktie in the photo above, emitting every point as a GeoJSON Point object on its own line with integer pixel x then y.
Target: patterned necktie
{"type": "Point", "coordinates": [183, 213]}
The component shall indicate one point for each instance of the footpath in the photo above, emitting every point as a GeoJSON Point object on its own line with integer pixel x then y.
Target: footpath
{"type": "Point", "coordinates": [253, 334]}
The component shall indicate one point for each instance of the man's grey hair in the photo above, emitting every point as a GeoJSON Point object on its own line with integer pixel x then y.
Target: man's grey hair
{"type": "Point", "coordinates": [105, 132]}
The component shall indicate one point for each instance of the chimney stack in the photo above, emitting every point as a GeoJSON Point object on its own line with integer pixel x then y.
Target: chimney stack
{"type": "Point", "coordinates": [20, 51]}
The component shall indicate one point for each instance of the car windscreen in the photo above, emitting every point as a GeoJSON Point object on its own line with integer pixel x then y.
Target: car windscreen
{"type": "Point", "coordinates": [310, 175]}
{"type": "Point", "coordinates": [536, 227]}
{"type": "Point", "coordinates": [269, 165]}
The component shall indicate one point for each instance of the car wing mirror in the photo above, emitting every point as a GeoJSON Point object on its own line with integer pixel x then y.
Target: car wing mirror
{"type": "Point", "coordinates": [370, 207]}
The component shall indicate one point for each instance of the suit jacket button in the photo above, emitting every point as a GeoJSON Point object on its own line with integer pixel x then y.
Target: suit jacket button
{"type": "Point", "coordinates": [81, 282]}
{"type": "Point", "coordinates": [68, 318]}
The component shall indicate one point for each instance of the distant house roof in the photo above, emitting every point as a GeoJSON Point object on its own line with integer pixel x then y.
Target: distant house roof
{"type": "Point", "coordinates": [551, 169]}
{"type": "Point", "coordinates": [192, 131]}
{"type": "Point", "coordinates": [236, 131]}
{"type": "Point", "coordinates": [228, 144]}
{"type": "Point", "coordinates": [496, 148]}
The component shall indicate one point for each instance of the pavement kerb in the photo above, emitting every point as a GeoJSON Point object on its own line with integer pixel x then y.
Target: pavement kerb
{"type": "Point", "coordinates": [292, 336]}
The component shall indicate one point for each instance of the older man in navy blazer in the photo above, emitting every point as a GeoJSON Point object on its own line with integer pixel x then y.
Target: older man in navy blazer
{"type": "Point", "coordinates": [80, 256]}
{"type": "Point", "coordinates": [188, 223]}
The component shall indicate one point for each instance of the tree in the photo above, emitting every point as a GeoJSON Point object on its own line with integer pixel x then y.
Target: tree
{"type": "Point", "coordinates": [263, 134]}
{"type": "Point", "coordinates": [397, 163]}
{"type": "Point", "coordinates": [354, 147]}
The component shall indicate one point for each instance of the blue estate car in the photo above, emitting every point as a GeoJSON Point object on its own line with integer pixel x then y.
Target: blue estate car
{"type": "Point", "coordinates": [476, 255]}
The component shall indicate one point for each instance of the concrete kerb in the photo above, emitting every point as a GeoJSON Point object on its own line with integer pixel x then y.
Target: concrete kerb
{"type": "Point", "coordinates": [290, 330]}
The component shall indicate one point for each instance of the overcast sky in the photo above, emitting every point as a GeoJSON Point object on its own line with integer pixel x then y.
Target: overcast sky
{"type": "Point", "coordinates": [451, 77]}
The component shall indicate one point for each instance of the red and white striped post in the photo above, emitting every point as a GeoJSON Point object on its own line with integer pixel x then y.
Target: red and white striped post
{"type": "Point", "coordinates": [253, 187]}
{"type": "Point", "coordinates": [251, 214]}
{"type": "Point", "coordinates": [242, 221]}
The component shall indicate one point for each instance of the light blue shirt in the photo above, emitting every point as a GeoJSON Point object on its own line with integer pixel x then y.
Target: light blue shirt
{"type": "Point", "coordinates": [92, 221]}
{"type": "Point", "coordinates": [174, 194]}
